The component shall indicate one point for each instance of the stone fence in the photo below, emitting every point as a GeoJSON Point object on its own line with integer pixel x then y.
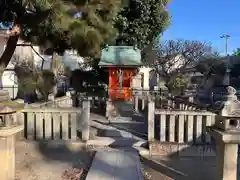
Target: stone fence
{"type": "Point", "coordinates": [94, 100]}
{"type": "Point", "coordinates": [55, 123]}
{"type": "Point", "coordinates": [199, 133]}
{"type": "Point", "coordinates": [69, 101]}
{"type": "Point", "coordinates": [165, 102]}
{"type": "Point", "coordinates": [170, 131]}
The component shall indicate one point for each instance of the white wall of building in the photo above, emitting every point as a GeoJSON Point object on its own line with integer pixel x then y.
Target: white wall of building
{"type": "Point", "coordinates": [137, 79]}
{"type": "Point", "coordinates": [69, 59]}
{"type": "Point", "coordinates": [146, 72]}
{"type": "Point", "coordinates": [10, 83]}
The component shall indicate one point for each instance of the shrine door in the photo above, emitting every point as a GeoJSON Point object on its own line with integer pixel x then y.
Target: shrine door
{"type": "Point", "coordinates": [115, 89]}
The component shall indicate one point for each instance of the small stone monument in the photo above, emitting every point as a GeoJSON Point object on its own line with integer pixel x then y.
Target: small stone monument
{"type": "Point", "coordinates": [8, 129]}
{"type": "Point", "coordinates": [226, 132]}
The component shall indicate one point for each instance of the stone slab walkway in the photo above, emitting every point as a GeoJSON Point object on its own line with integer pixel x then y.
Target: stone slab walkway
{"type": "Point", "coordinates": [135, 128]}
{"type": "Point", "coordinates": [115, 165]}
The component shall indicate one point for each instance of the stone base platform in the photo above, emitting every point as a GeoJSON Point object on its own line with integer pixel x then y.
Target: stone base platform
{"type": "Point", "coordinates": [183, 150]}
{"type": "Point", "coordinates": [119, 108]}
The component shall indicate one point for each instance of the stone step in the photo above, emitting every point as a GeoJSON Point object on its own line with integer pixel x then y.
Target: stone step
{"type": "Point", "coordinates": [104, 130]}
{"type": "Point", "coordinates": [137, 127]}
{"type": "Point", "coordinates": [109, 132]}
{"type": "Point", "coordinates": [138, 131]}
{"type": "Point", "coordinates": [120, 119]}
{"type": "Point", "coordinates": [117, 142]}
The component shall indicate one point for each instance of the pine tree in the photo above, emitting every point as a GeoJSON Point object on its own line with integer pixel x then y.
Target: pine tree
{"type": "Point", "coordinates": [84, 25]}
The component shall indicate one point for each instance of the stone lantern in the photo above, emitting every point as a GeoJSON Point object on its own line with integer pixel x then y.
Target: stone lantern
{"type": "Point", "coordinates": [226, 132]}
{"type": "Point", "coordinates": [8, 110]}
{"type": "Point", "coordinates": [8, 129]}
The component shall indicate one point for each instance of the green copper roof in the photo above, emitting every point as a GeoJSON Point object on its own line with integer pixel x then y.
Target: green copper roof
{"type": "Point", "coordinates": [120, 56]}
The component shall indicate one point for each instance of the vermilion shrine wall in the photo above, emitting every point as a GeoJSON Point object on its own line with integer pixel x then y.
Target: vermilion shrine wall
{"type": "Point", "coordinates": [115, 90]}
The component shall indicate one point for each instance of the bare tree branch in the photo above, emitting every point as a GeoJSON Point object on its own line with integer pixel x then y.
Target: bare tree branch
{"type": "Point", "coordinates": [175, 56]}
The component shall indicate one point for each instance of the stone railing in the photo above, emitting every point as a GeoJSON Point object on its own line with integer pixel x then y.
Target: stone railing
{"type": "Point", "coordinates": [65, 101]}
{"type": "Point", "coordinates": [164, 101]}
{"type": "Point", "coordinates": [177, 128]}
{"type": "Point", "coordinates": [54, 123]}
{"type": "Point", "coordinates": [94, 100]}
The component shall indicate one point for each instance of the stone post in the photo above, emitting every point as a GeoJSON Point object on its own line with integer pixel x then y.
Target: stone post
{"type": "Point", "coordinates": [69, 101]}
{"type": "Point", "coordinates": [9, 128]}
{"type": "Point", "coordinates": [226, 161]}
{"type": "Point", "coordinates": [68, 94]}
{"type": "Point", "coordinates": [136, 103]}
{"type": "Point", "coordinates": [226, 78]}
{"type": "Point", "coordinates": [51, 97]}
{"type": "Point", "coordinates": [226, 132]}
{"type": "Point", "coordinates": [7, 152]}
{"type": "Point", "coordinates": [151, 116]}
{"type": "Point", "coordinates": [111, 110]}
{"type": "Point", "coordinates": [85, 120]}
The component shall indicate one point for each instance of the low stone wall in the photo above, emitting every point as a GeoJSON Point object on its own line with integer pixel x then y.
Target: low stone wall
{"type": "Point", "coordinates": [183, 150]}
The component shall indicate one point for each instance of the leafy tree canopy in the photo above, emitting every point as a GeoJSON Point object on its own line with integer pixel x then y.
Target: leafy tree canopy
{"type": "Point", "coordinates": [141, 22]}
{"type": "Point", "coordinates": [237, 52]}
{"type": "Point", "coordinates": [84, 25]}
{"type": "Point", "coordinates": [177, 85]}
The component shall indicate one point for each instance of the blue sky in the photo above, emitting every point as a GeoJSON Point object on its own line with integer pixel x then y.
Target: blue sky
{"type": "Point", "coordinates": [205, 20]}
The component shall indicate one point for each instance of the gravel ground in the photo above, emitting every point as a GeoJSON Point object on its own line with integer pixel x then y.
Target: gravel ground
{"type": "Point", "coordinates": [38, 161]}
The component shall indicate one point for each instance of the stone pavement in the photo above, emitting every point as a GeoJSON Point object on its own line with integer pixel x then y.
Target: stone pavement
{"type": "Point", "coordinates": [136, 127]}
{"type": "Point", "coordinates": [115, 165]}
{"type": "Point", "coordinates": [180, 168]}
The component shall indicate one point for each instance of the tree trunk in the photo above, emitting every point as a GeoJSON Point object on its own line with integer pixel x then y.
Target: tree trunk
{"type": "Point", "coordinates": [9, 49]}
{"type": "Point", "coordinates": [54, 70]}
{"type": "Point", "coordinates": [167, 81]}
{"type": "Point", "coordinates": [11, 45]}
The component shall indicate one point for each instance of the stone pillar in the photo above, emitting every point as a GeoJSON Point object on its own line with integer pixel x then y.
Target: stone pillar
{"type": "Point", "coordinates": [69, 102]}
{"type": "Point", "coordinates": [51, 97]}
{"type": "Point", "coordinates": [68, 94]}
{"type": "Point", "coordinates": [226, 161]}
{"type": "Point", "coordinates": [111, 110]}
{"type": "Point", "coordinates": [151, 116]}
{"type": "Point", "coordinates": [85, 120]}
{"type": "Point", "coordinates": [158, 80]}
{"type": "Point", "coordinates": [7, 152]}
{"type": "Point", "coordinates": [136, 103]}
{"type": "Point", "coordinates": [226, 79]}
{"type": "Point", "coordinates": [226, 153]}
